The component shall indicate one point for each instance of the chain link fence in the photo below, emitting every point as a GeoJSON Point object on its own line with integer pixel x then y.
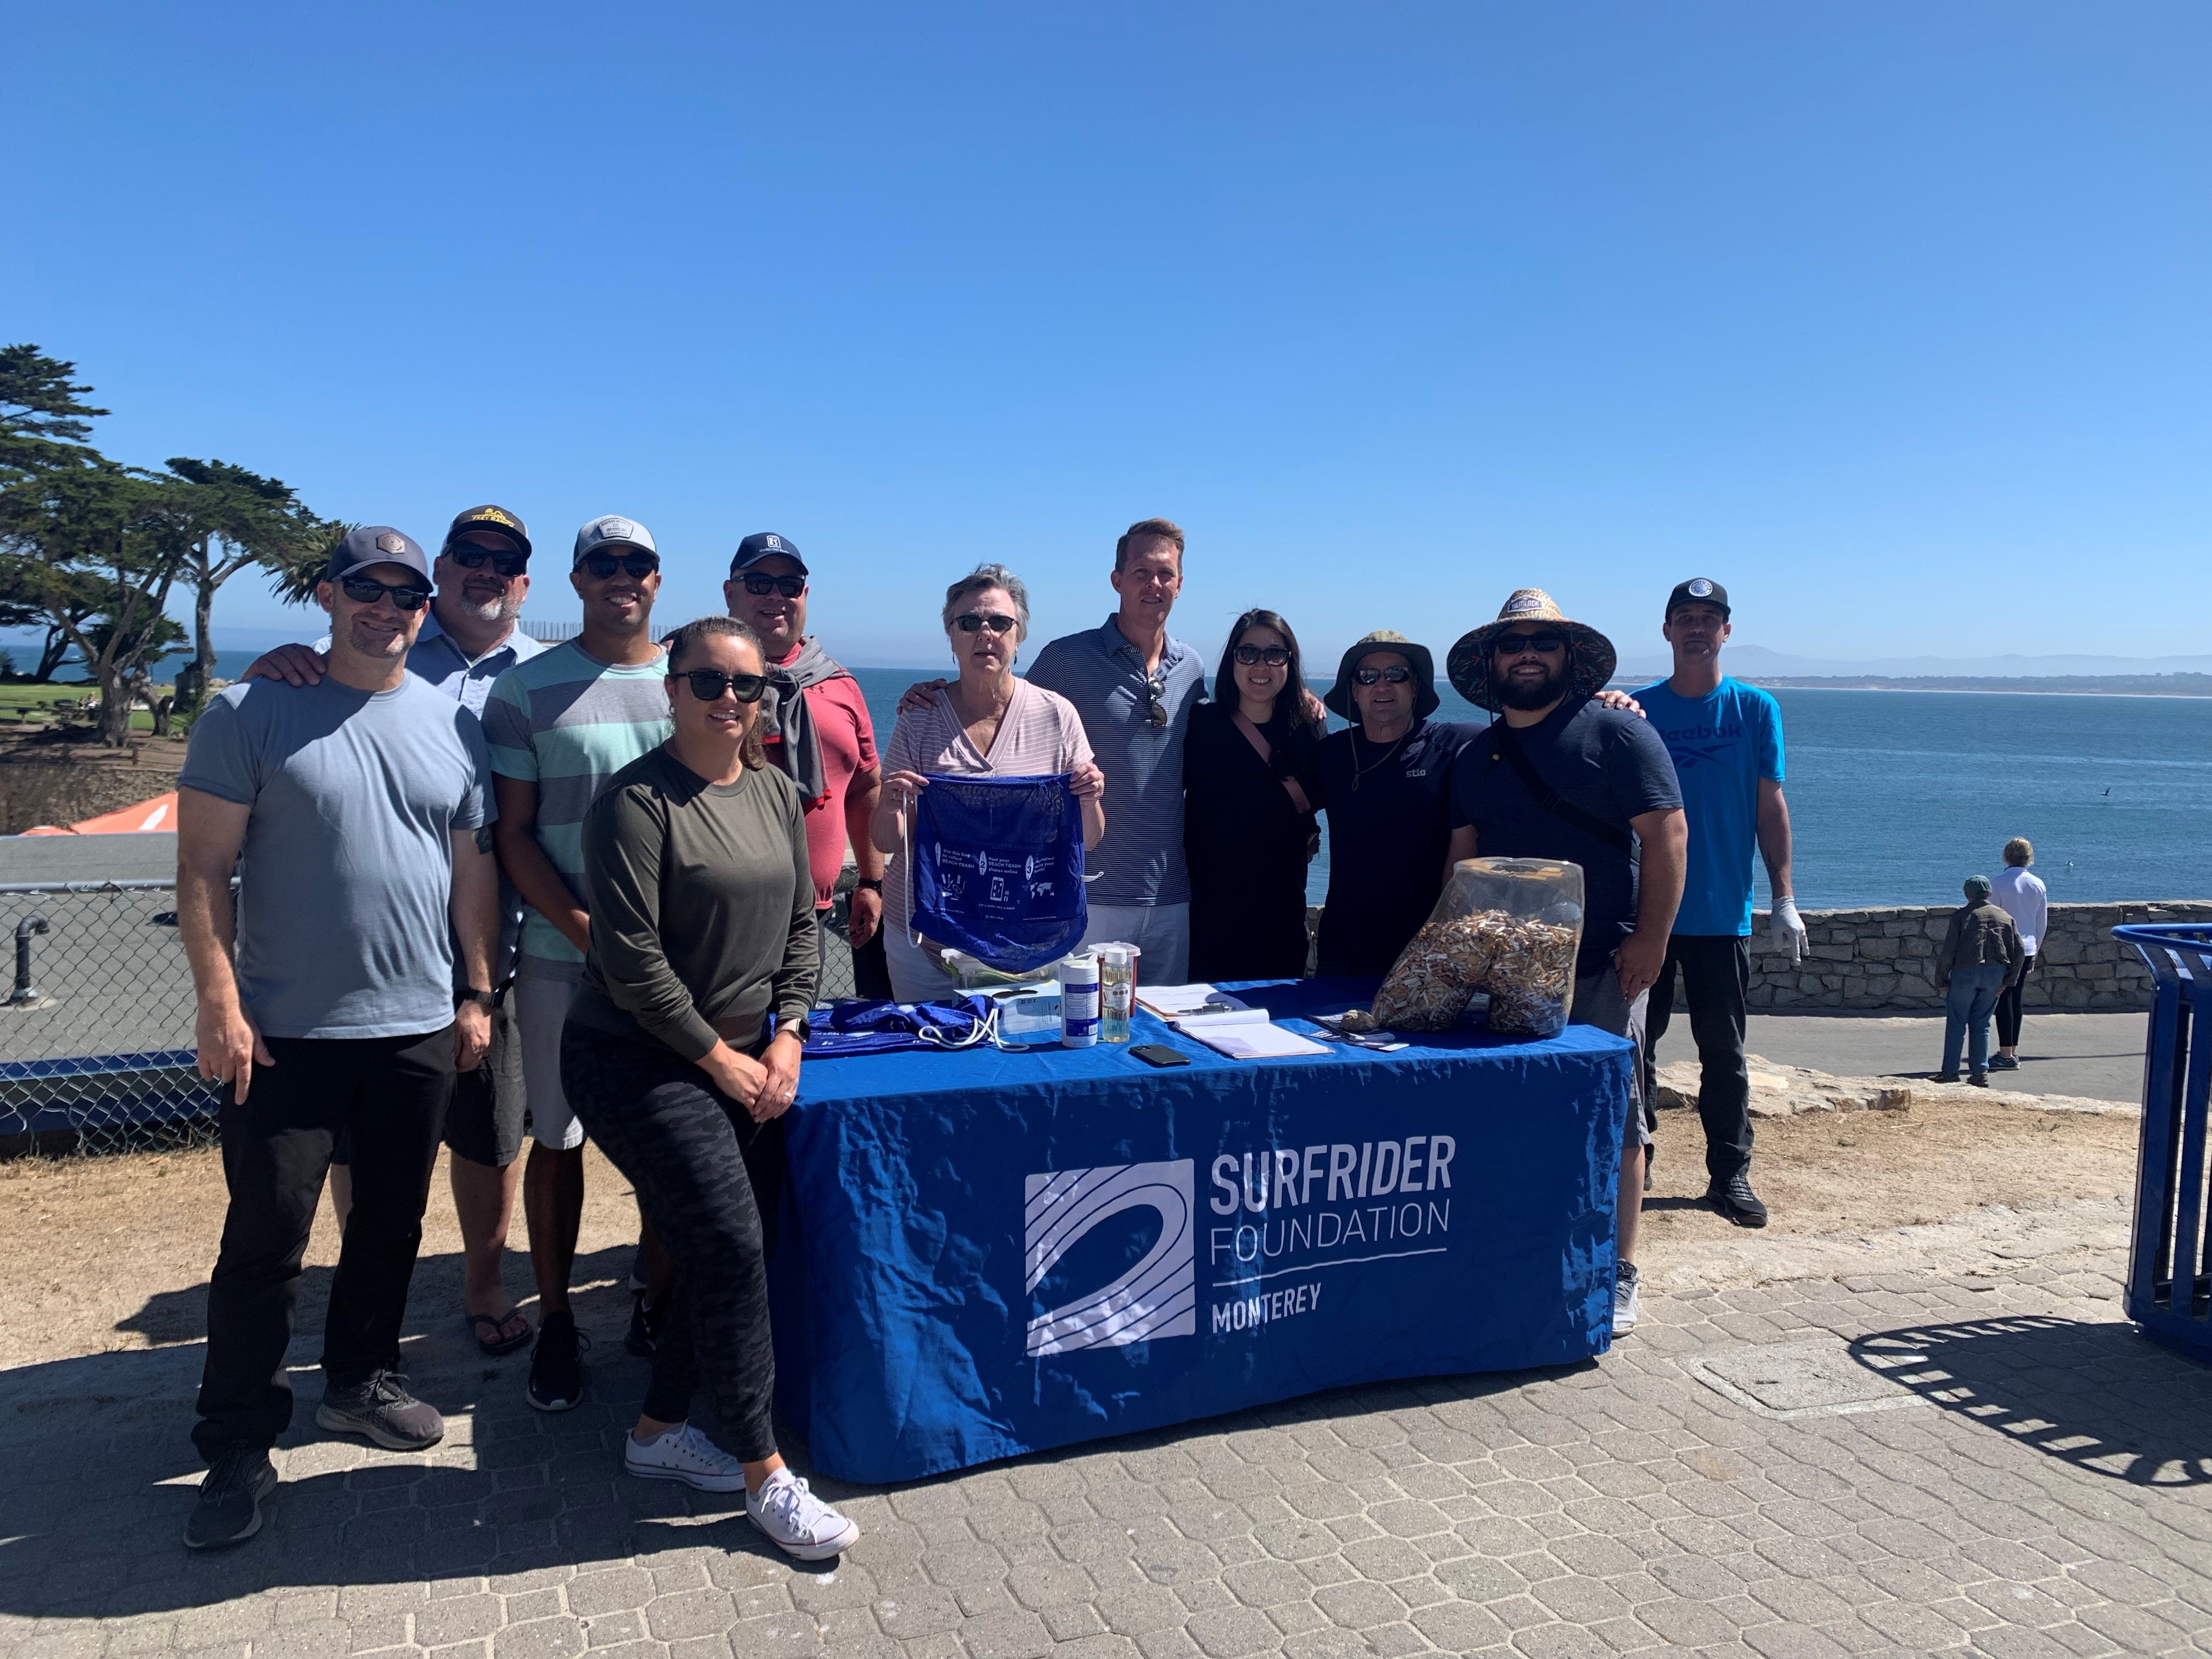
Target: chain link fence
{"type": "Point", "coordinates": [96, 1035]}
{"type": "Point", "coordinates": [96, 1039]}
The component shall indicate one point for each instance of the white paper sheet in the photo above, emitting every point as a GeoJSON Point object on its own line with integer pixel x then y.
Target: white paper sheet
{"type": "Point", "coordinates": [1169, 1000]}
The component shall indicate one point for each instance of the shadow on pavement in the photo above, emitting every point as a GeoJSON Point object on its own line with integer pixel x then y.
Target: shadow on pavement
{"type": "Point", "coordinates": [103, 1473]}
{"type": "Point", "coordinates": [2102, 1396]}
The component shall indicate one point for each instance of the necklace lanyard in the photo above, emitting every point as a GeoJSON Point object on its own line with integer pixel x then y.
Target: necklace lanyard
{"type": "Point", "coordinates": [1359, 771]}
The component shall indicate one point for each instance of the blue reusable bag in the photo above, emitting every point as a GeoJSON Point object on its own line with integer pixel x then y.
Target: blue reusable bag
{"type": "Point", "coordinates": [998, 868]}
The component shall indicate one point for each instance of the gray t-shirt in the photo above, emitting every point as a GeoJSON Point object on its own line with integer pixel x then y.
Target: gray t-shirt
{"type": "Point", "coordinates": [348, 862]}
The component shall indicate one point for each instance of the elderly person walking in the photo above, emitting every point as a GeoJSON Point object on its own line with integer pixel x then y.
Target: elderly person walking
{"type": "Point", "coordinates": [681, 1053]}
{"type": "Point", "coordinates": [2024, 898]}
{"type": "Point", "coordinates": [986, 723]}
{"type": "Point", "coordinates": [1980, 960]}
{"type": "Point", "coordinates": [1248, 764]}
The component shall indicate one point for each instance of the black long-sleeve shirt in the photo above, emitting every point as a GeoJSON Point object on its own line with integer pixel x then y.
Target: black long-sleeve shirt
{"type": "Point", "coordinates": [701, 907]}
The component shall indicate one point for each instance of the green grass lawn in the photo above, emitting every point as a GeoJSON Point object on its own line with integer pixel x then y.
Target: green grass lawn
{"type": "Point", "coordinates": [21, 704]}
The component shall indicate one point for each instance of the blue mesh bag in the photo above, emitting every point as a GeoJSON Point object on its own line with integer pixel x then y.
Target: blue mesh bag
{"type": "Point", "coordinates": [998, 868]}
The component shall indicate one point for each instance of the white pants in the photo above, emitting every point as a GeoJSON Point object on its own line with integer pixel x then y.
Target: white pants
{"type": "Point", "coordinates": [1162, 931]}
{"type": "Point", "coordinates": [541, 1009]}
{"type": "Point", "coordinates": [916, 975]}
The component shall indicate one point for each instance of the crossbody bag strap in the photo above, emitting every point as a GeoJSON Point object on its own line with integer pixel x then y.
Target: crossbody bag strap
{"type": "Point", "coordinates": [1259, 742]}
{"type": "Point", "coordinates": [1552, 801]}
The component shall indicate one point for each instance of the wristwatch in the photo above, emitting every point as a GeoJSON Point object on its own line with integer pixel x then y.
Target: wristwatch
{"type": "Point", "coordinates": [873, 884]}
{"type": "Point", "coordinates": [482, 999]}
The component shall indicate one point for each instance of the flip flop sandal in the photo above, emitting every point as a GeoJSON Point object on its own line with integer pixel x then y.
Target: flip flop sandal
{"type": "Point", "coordinates": [485, 1329]}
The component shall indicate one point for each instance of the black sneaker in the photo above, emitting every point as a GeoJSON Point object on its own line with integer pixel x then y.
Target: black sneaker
{"type": "Point", "coordinates": [382, 1410]}
{"type": "Point", "coordinates": [1979, 1079]}
{"type": "Point", "coordinates": [644, 1327]}
{"type": "Point", "coordinates": [1734, 1199]}
{"type": "Point", "coordinates": [229, 1510]}
{"type": "Point", "coordinates": [557, 1363]}
{"type": "Point", "coordinates": [1947, 1076]}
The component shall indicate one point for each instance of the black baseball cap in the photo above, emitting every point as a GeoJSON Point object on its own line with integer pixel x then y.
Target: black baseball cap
{"type": "Point", "coordinates": [375, 544]}
{"type": "Point", "coordinates": [1698, 590]}
{"type": "Point", "coordinates": [497, 520]}
{"type": "Point", "coordinates": [767, 545]}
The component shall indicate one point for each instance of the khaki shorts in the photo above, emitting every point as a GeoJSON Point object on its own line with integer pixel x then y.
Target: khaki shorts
{"type": "Point", "coordinates": [1598, 1002]}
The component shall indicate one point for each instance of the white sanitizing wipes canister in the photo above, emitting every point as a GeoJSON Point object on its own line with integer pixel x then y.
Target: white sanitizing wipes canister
{"type": "Point", "coordinates": [1079, 1002]}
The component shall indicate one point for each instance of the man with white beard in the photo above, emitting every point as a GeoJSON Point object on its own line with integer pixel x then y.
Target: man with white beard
{"type": "Point", "coordinates": [468, 641]}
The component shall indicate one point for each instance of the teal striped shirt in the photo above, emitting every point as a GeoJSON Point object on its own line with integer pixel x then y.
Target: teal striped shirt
{"type": "Point", "coordinates": [567, 722]}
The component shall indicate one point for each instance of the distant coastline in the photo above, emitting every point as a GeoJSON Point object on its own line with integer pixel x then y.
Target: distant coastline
{"type": "Point", "coordinates": [2055, 685]}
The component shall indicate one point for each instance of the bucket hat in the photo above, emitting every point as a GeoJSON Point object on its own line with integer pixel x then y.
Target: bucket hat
{"type": "Point", "coordinates": [1339, 699]}
{"type": "Point", "coordinates": [1591, 655]}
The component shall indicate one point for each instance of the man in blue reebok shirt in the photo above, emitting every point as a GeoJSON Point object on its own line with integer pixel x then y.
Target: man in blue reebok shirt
{"type": "Point", "coordinates": [1726, 740]}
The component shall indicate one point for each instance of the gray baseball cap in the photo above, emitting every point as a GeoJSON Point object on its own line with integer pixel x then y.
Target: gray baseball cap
{"type": "Point", "coordinates": [375, 544]}
{"type": "Point", "coordinates": [611, 528]}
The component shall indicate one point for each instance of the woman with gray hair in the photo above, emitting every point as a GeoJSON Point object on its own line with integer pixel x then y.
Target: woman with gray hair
{"type": "Point", "coordinates": [984, 723]}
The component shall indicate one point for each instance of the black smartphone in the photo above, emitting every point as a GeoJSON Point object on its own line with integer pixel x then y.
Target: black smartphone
{"type": "Point", "coordinates": [1158, 1054]}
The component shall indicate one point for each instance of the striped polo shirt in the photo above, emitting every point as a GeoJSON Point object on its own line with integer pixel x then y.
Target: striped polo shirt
{"type": "Point", "coordinates": [1140, 860]}
{"type": "Point", "coordinates": [567, 722]}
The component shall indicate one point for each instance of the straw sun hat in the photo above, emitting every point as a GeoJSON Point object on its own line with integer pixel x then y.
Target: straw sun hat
{"type": "Point", "coordinates": [1591, 654]}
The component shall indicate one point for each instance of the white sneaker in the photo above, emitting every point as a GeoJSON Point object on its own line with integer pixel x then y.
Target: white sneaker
{"type": "Point", "coordinates": [1624, 1298]}
{"type": "Point", "coordinates": [800, 1524]}
{"type": "Point", "coordinates": [684, 1454]}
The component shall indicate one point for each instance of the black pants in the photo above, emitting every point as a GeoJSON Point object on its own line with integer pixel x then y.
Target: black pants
{"type": "Point", "coordinates": [708, 1179]}
{"type": "Point", "coordinates": [2009, 1007]}
{"type": "Point", "coordinates": [1716, 971]}
{"type": "Point", "coordinates": [871, 972]}
{"type": "Point", "coordinates": [389, 1095]}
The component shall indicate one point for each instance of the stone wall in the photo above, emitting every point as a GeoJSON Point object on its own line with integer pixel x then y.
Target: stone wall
{"type": "Point", "coordinates": [1886, 959]}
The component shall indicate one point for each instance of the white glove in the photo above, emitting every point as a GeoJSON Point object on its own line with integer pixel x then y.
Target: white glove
{"type": "Point", "coordinates": [1787, 933]}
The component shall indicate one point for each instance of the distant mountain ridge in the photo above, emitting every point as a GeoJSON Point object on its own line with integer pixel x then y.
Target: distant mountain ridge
{"type": "Point", "coordinates": [1758, 662]}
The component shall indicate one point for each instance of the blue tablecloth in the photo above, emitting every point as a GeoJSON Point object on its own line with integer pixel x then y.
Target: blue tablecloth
{"type": "Point", "coordinates": [983, 1254]}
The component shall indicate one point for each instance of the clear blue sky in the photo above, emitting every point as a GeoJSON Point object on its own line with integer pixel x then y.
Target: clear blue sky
{"type": "Point", "coordinates": [1893, 317]}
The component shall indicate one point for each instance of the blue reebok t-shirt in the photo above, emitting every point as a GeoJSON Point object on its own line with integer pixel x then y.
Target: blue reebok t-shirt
{"type": "Point", "coordinates": [1722, 746]}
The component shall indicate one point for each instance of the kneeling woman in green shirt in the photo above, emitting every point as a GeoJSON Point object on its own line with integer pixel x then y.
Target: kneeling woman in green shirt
{"type": "Point", "coordinates": [681, 1053]}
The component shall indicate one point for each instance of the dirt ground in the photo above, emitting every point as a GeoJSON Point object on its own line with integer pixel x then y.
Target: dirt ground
{"type": "Point", "coordinates": [124, 1244]}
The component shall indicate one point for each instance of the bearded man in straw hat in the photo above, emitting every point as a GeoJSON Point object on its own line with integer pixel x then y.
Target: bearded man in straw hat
{"type": "Point", "coordinates": [1561, 776]}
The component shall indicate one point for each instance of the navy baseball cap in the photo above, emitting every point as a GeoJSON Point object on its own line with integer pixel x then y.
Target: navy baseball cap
{"type": "Point", "coordinates": [766, 545]}
{"type": "Point", "coordinates": [1698, 590]}
{"type": "Point", "coordinates": [497, 520]}
{"type": "Point", "coordinates": [375, 544]}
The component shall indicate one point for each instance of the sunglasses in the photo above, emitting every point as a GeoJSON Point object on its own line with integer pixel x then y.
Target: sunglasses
{"type": "Point", "coordinates": [707, 684]}
{"type": "Point", "coordinates": [972, 621]}
{"type": "Point", "coordinates": [506, 561]}
{"type": "Point", "coordinates": [759, 582]}
{"type": "Point", "coordinates": [404, 595]}
{"type": "Point", "coordinates": [638, 565]}
{"type": "Point", "coordinates": [1157, 692]}
{"type": "Point", "coordinates": [1386, 675]}
{"type": "Point", "coordinates": [1512, 645]}
{"type": "Point", "coordinates": [1275, 656]}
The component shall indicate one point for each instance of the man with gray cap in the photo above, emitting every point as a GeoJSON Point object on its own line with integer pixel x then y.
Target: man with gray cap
{"type": "Point", "coordinates": [354, 812]}
{"type": "Point", "coordinates": [559, 726]}
{"type": "Point", "coordinates": [1981, 957]}
{"type": "Point", "coordinates": [814, 724]}
{"type": "Point", "coordinates": [1562, 776]}
{"type": "Point", "coordinates": [468, 640]}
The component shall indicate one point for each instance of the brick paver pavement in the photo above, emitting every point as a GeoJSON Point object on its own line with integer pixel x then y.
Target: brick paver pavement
{"type": "Point", "coordinates": [2043, 1489]}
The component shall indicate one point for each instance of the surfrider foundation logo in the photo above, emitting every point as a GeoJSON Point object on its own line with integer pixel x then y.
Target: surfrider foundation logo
{"type": "Point", "coordinates": [1154, 1297]}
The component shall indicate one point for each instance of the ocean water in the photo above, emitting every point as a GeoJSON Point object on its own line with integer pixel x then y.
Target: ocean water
{"type": "Point", "coordinates": [1896, 797]}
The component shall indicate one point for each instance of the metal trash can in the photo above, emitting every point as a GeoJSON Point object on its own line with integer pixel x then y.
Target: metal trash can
{"type": "Point", "coordinates": [2169, 1278]}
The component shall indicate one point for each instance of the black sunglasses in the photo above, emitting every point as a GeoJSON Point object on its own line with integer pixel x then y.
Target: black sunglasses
{"type": "Point", "coordinates": [707, 684]}
{"type": "Point", "coordinates": [1275, 656]}
{"type": "Point", "coordinates": [971, 621]}
{"type": "Point", "coordinates": [505, 561]}
{"type": "Point", "coordinates": [759, 582]}
{"type": "Point", "coordinates": [638, 565]}
{"type": "Point", "coordinates": [404, 595]}
{"type": "Point", "coordinates": [1512, 645]}
{"type": "Point", "coordinates": [1157, 692]}
{"type": "Point", "coordinates": [1390, 675]}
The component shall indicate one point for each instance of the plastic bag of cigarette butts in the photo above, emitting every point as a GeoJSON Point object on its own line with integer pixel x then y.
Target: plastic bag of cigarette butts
{"type": "Point", "coordinates": [1509, 927]}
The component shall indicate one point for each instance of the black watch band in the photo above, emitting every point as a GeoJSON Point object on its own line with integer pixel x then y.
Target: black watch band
{"type": "Point", "coordinates": [482, 999]}
{"type": "Point", "coordinates": [871, 883]}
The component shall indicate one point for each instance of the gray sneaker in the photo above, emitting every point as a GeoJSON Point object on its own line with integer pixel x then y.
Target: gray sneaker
{"type": "Point", "coordinates": [1624, 1298]}
{"type": "Point", "coordinates": [383, 1410]}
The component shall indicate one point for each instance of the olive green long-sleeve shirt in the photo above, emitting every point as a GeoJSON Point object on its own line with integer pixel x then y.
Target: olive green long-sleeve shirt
{"type": "Point", "coordinates": [701, 907]}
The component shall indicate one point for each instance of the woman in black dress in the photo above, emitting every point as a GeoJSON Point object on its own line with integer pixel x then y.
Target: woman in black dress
{"type": "Point", "coordinates": [1247, 828]}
